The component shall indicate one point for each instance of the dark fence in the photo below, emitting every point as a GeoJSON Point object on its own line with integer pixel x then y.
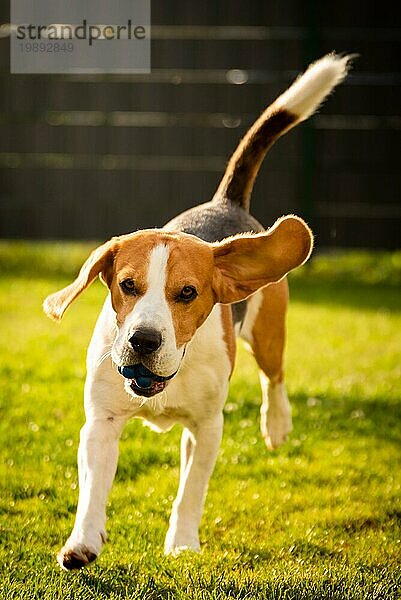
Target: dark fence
{"type": "Point", "coordinates": [93, 156]}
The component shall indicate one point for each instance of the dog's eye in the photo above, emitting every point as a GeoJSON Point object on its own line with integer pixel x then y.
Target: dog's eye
{"type": "Point", "coordinates": [128, 286]}
{"type": "Point", "coordinates": [187, 293]}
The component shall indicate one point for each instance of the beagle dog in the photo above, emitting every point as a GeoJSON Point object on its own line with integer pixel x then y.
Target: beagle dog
{"type": "Point", "coordinates": [163, 348]}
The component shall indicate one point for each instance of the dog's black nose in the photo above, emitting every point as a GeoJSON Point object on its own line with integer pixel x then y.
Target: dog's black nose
{"type": "Point", "coordinates": [145, 341]}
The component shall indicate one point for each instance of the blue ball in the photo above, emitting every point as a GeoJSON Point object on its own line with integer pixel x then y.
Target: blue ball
{"type": "Point", "coordinates": [144, 382]}
{"type": "Point", "coordinates": [142, 376]}
{"type": "Point", "coordinates": [128, 372]}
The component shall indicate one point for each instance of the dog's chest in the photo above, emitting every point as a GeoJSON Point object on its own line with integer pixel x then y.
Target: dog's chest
{"type": "Point", "coordinates": [166, 419]}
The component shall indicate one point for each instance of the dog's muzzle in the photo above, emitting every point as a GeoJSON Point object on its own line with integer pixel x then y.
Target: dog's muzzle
{"type": "Point", "coordinates": [142, 381]}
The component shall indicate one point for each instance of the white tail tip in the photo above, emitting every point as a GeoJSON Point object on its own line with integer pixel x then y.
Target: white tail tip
{"type": "Point", "coordinates": [308, 92]}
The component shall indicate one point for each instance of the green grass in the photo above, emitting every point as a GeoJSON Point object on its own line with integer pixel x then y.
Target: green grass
{"type": "Point", "coordinates": [319, 518]}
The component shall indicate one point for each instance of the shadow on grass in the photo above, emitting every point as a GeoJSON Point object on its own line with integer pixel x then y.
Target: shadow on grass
{"type": "Point", "coordinates": [122, 582]}
{"type": "Point", "coordinates": [346, 293]}
{"type": "Point", "coordinates": [133, 464]}
{"type": "Point", "coordinates": [373, 418]}
{"type": "Point", "coordinates": [336, 416]}
{"type": "Point", "coordinates": [303, 550]}
{"type": "Point", "coordinates": [332, 418]}
{"type": "Point", "coordinates": [390, 518]}
{"type": "Point", "coordinates": [125, 582]}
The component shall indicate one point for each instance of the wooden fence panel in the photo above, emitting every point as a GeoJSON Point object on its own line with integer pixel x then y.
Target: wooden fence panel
{"type": "Point", "coordinates": [93, 156]}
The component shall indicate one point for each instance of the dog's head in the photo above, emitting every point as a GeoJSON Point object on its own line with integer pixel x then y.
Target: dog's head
{"type": "Point", "coordinates": [164, 285]}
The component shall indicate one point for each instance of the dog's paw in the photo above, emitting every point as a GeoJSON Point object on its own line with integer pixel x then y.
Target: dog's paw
{"type": "Point", "coordinates": [75, 557]}
{"type": "Point", "coordinates": [177, 542]}
{"type": "Point", "coordinates": [175, 551]}
{"type": "Point", "coordinates": [276, 436]}
{"type": "Point", "coordinates": [275, 418]}
{"type": "Point", "coordinates": [80, 551]}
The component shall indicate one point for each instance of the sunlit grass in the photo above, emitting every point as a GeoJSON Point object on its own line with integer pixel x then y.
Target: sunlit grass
{"type": "Point", "coordinates": [319, 518]}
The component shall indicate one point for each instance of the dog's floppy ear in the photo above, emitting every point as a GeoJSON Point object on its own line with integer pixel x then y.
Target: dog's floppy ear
{"type": "Point", "coordinates": [245, 263]}
{"type": "Point", "coordinates": [100, 262]}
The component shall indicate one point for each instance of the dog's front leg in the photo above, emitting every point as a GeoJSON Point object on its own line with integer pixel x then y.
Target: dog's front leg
{"type": "Point", "coordinates": [201, 447]}
{"type": "Point", "coordinates": [97, 463]}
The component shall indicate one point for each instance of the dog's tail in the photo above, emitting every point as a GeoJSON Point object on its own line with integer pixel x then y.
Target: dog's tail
{"type": "Point", "coordinates": [296, 104]}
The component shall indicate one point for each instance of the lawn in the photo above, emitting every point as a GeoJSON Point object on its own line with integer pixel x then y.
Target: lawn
{"type": "Point", "coordinates": [318, 518]}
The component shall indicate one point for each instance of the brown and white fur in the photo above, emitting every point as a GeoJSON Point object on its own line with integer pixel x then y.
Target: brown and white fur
{"type": "Point", "coordinates": [182, 280]}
